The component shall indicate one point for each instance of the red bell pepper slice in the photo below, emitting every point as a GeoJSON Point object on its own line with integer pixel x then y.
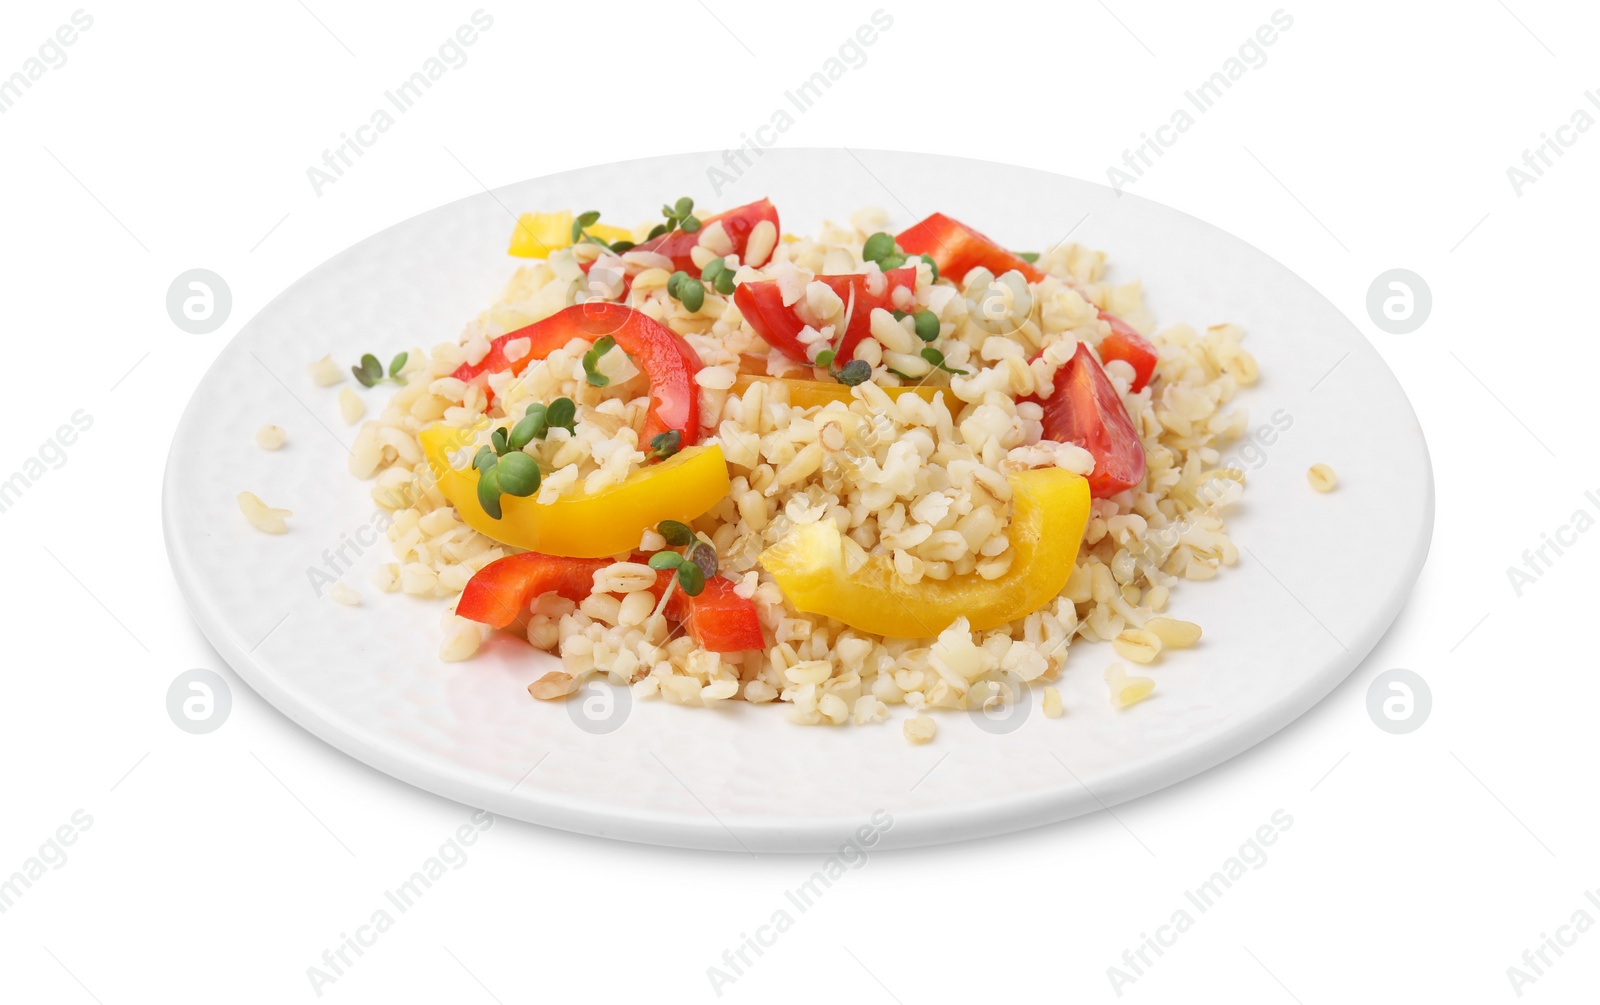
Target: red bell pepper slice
{"type": "Point", "coordinates": [718, 619]}
{"type": "Point", "coordinates": [737, 223]}
{"type": "Point", "coordinates": [501, 591]}
{"type": "Point", "coordinates": [660, 352]}
{"type": "Point", "coordinates": [762, 305]}
{"type": "Point", "coordinates": [1125, 343]}
{"type": "Point", "coordinates": [958, 249]}
{"type": "Point", "coordinates": [1084, 408]}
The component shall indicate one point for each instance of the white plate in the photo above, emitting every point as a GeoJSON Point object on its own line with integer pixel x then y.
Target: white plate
{"type": "Point", "coordinates": [1319, 580]}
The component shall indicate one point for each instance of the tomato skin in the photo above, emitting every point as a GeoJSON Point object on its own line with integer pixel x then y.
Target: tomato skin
{"type": "Point", "coordinates": [717, 618]}
{"type": "Point", "coordinates": [737, 223]}
{"type": "Point", "coordinates": [660, 352]}
{"type": "Point", "coordinates": [501, 591]}
{"type": "Point", "coordinates": [1125, 343]}
{"type": "Point", "coordinates": [1084, 408]}
{"type": "Point", "coordinates": [761, 303]}
{"type": "Point", "coordinates": [958, 249]}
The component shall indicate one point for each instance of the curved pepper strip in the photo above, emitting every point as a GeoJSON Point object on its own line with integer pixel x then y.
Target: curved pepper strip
{"type": "Point", "coordinates": [717, 618]}
{"type": "Point", "coordinates": [661, 353]}
{"type": "Point", "coordinates": [810, 393]}
{"type": "Point", "coordinates": [1050, 509]}
{"type": "Point", "coordinates": [583, 525]}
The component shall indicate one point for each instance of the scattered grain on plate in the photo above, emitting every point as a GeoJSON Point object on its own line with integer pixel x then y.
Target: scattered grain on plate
{"type": "Point", "coordinates": [269, 437]}
{"type": "Point", "coordinates": [1173, 632]}
{"type": "Point", "coordinates": [261, 516]}
{"type": "Point", "coordinates": [461, 639]}
{"type": "Point", "coordinates": [920, 729]}
{"type": "Point", "coordinates": [351, 407]}
{"type": "Point", "coordinates": [324, 372]}
{"type": "Point", "coordinates": [553, 685]}
{"type": "Point", "coordinates": [1052, 703]}
{"type": "Point", "coordinates": [343, 593]}
{"type": "Point", "coordinates": [1127, 690]}
{"type": "Point", "coordinates": [1322, 478]}
{"type": "Point", "coordinates": [1137, 644]}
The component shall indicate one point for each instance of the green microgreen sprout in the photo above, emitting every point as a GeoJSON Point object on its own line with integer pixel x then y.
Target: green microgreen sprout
{"type": "Point", "coordinates": [1028, 256]}
{"type": "Point", "coordinates": [664, 445]}
{"type": "Point", "coordinates": [936, 357]}
{"type": "Point", "coordinates": [370, 372]}
{"type": "Point", "coordinates": [679, 217]}
{"type": "Point", "coordinates": [502, 465]}
{"type": "Point", "coordinates": [591, 360]}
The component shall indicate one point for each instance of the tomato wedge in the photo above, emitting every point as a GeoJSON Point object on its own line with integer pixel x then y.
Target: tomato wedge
{"type": "Point", "coordinates": [660, 352]}
{"type": "Point", "coordinates": [737, 223]}
{"type": "Point", "coordinates": [718, 619]}
{"type": "Point", "coordinates": [762, 305]}
{"type": "Point", "coordinates": [1085, 409]}
{"type": "Point", "coordinates": [1125, 343]}
{"type": "Point", "coordinates": [958, 249]}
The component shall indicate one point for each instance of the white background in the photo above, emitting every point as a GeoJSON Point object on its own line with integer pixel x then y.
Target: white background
{"type": "Point", "coordinates": [1377, 135]}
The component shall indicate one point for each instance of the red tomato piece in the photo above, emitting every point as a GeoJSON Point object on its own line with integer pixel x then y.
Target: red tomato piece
{"type": "Point", "coordinates": [958, 249]}
{"type": "Point", "coordinates": [736, 223]}
{"type": "Point", "coordinates": [1125, 343]}
{"type": "Point", "coordinates": [670, 362]}
{"type": "Point", "coordinates": [762, 305]}
{"type": "Point", "coordinates": [501, 591]}
{"type": "Point", "coordinates": [1085, 409]}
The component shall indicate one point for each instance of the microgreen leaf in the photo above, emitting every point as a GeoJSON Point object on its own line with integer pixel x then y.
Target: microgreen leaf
{"type": "Point", "coordinates": [857, 371]}
{"type": "Point", "coordinates": [662, 560]}
{"type": "Point", "coordinates": [683, 207]}
{"type": "Point", "coordinates": [936, 357]}
{"type": "Point", "coordinates": [489, 492]}
{"type": "Point", "coordinates": [664, 445]}
{"type": "Point", "coordinates": [689, 225]}
{"type": "Point", "coordinates": [677, 534]}
{"type": "Point", "coordinates": [397, 364]}
{"type": "Point", "coordinates": [704, 556]}
{"type": "Point", "coordinates": [591, 360]}
{"type": "Point", "coordinates": [500, 440]}
{"type": "Point", "coordinates": [1028, 256]}
{"type": "Point", "coordinates": [691, 578]}
{"type": "Point", "coordinates": [825, 358]}
{"type": "Point", "coordinates": [562, 413]}
{"type": "Point", "coordinates": [485, 458]}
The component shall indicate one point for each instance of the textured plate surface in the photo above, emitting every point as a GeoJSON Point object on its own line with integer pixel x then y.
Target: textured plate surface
{"type": "Point", "coordinates": [1319, 580]}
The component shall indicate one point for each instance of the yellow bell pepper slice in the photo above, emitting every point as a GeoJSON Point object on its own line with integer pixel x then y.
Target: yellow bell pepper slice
{"type": "Point", "coordinates": [583, 525]}
{"type": "Point", "coordinates": [1050, 509]}
{"type": "Point", "coordinates": [810, 393]}
{"type": "Point", "coordinates": [538, 234]}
